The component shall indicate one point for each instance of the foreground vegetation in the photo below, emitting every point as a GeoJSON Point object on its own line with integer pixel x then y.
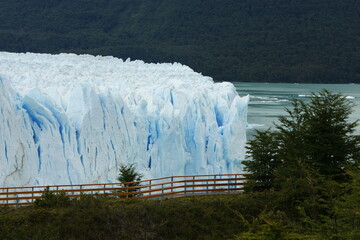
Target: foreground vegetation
{"type": "Point", "coordinates": [312, 160]}
{"type": "Point", "coordinates": [247, 40]}
{"type": "Point", "coordinates": [262, 215]}
{"type": "Point", "coordinates": [213, 217]}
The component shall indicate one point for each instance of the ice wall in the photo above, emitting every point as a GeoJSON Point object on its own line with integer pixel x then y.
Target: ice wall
{"type": "Point", "coordinates": [73, 119]}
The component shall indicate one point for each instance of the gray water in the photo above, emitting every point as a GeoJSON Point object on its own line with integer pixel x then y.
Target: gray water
{"type": "Point", "coordinates": [268, 100]}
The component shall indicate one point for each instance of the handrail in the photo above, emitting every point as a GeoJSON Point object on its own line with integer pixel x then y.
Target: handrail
{"type": "Point", "coordinates": [98, 184]}
{"type": "Point", "coordinates": [174, 186]}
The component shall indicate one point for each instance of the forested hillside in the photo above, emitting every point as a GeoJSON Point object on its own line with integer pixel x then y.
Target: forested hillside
{"type": "Point", "coordinates": [232, 40]}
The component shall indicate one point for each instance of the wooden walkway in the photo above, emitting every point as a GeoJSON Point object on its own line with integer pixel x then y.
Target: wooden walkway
{"type": "Point", "coordinates": [160, 188]}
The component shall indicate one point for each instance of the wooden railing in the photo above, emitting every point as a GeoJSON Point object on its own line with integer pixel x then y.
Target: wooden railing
{"type": "Point", "coordinates": [175, 186]}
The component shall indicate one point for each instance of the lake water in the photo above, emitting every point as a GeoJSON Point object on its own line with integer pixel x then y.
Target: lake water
{"type": "Point", "coordinates": [268, 100]}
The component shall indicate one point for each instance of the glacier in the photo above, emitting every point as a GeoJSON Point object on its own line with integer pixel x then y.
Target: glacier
{"type": "Point", "coordinates": [73, 119]}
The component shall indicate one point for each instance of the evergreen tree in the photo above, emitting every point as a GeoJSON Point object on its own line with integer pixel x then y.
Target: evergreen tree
{"type": "Point", "coordinates": [263, 149]}
{"type": "Point", "coordinates": [129, 178]}
{"type": "Point", "coordinates": [307, 161]}
{"type": "Point", "coordinates": [319, 134]}
{"type": "Point", "coordinates": [316, 136]}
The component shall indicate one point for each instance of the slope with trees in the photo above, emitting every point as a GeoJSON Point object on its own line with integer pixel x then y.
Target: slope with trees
{"type": "Point", "coordinates": [248, 40]}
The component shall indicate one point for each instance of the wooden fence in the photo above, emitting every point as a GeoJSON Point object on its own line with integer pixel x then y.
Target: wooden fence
{"type": "Point", "coordinates": [175, 186]}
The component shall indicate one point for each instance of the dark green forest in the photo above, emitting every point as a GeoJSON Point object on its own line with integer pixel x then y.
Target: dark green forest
{"type": "Point", "coordinates": [314, 41]}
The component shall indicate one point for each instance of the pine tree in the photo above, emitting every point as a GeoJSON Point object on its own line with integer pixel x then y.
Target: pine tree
{"type": "Point", "coordinates": [316, 136]}
{"type": "Point", "coordinates": [129, 178]}
{"type": "Point", "coordinates": [319, 134]}
{"type": "Point", "coordinates": [263, 150]}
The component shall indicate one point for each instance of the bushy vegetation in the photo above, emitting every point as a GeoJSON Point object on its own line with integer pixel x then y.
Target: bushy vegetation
{"type": "Point", "coordinates": [255, 216]}
{"type": "Point", "coordinates": [213, 217]}
{"type": "Point", "coordinates": [312, 163]}
{"type": "Point", "coordinates": [247, 40]}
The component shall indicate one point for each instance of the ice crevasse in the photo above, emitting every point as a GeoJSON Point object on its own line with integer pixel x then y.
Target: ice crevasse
{"type": "Point", "coordinates": [71, 119]}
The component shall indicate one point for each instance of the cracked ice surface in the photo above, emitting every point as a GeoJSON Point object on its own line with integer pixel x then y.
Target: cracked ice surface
{"type": "Point", "coordinates": [68, 119]}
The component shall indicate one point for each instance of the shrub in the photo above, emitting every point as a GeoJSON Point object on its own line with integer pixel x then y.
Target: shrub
{"type": "Point", "coordinates": [51, 199]}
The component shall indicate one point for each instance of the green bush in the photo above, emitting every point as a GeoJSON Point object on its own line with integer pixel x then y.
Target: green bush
{"type": "Point", "coordinates": [52, 199]}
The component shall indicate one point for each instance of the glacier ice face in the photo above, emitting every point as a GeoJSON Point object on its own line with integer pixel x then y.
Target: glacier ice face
{"type": "Point", "coordinates": [70, 119]}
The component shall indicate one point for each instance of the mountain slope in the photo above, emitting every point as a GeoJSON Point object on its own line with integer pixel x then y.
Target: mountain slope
{"type": "Point", "coordinates": [247, 40]}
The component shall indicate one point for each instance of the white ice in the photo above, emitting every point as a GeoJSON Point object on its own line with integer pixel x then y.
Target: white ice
{"type": "Point", "coordinates": [71, 119]}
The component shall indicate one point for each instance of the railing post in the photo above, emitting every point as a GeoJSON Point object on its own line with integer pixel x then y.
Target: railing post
{"type": "Point", "coordinates": [207, 187]}
{"type": "Point", "coordinates": [7, 195]}
{"type": "Point", "coordinates": [214, 187]}
{"type": "Point", "coordinates": [236, 180]}
{"type": "Point", "coordinates": [32, 194]}
{"type": "Point", "coordinates": [172, 183]}
{"type": "Point", "coordinates": [150, 187]}
{"type": "Point", "coordinates": [17, 201]}
{"type": "Point", "coordinates": [228, 186]}
{"type": "Point", "coordinates": [139, 193]}
{"type": "Point", "coordinates": [116, 191]}
{"type": "Point", "coordinates": [185, 188]}
{"type": "Point", "coordinates": [193, 185]}
{"type": "Point", "coordinates": [162, 191]}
